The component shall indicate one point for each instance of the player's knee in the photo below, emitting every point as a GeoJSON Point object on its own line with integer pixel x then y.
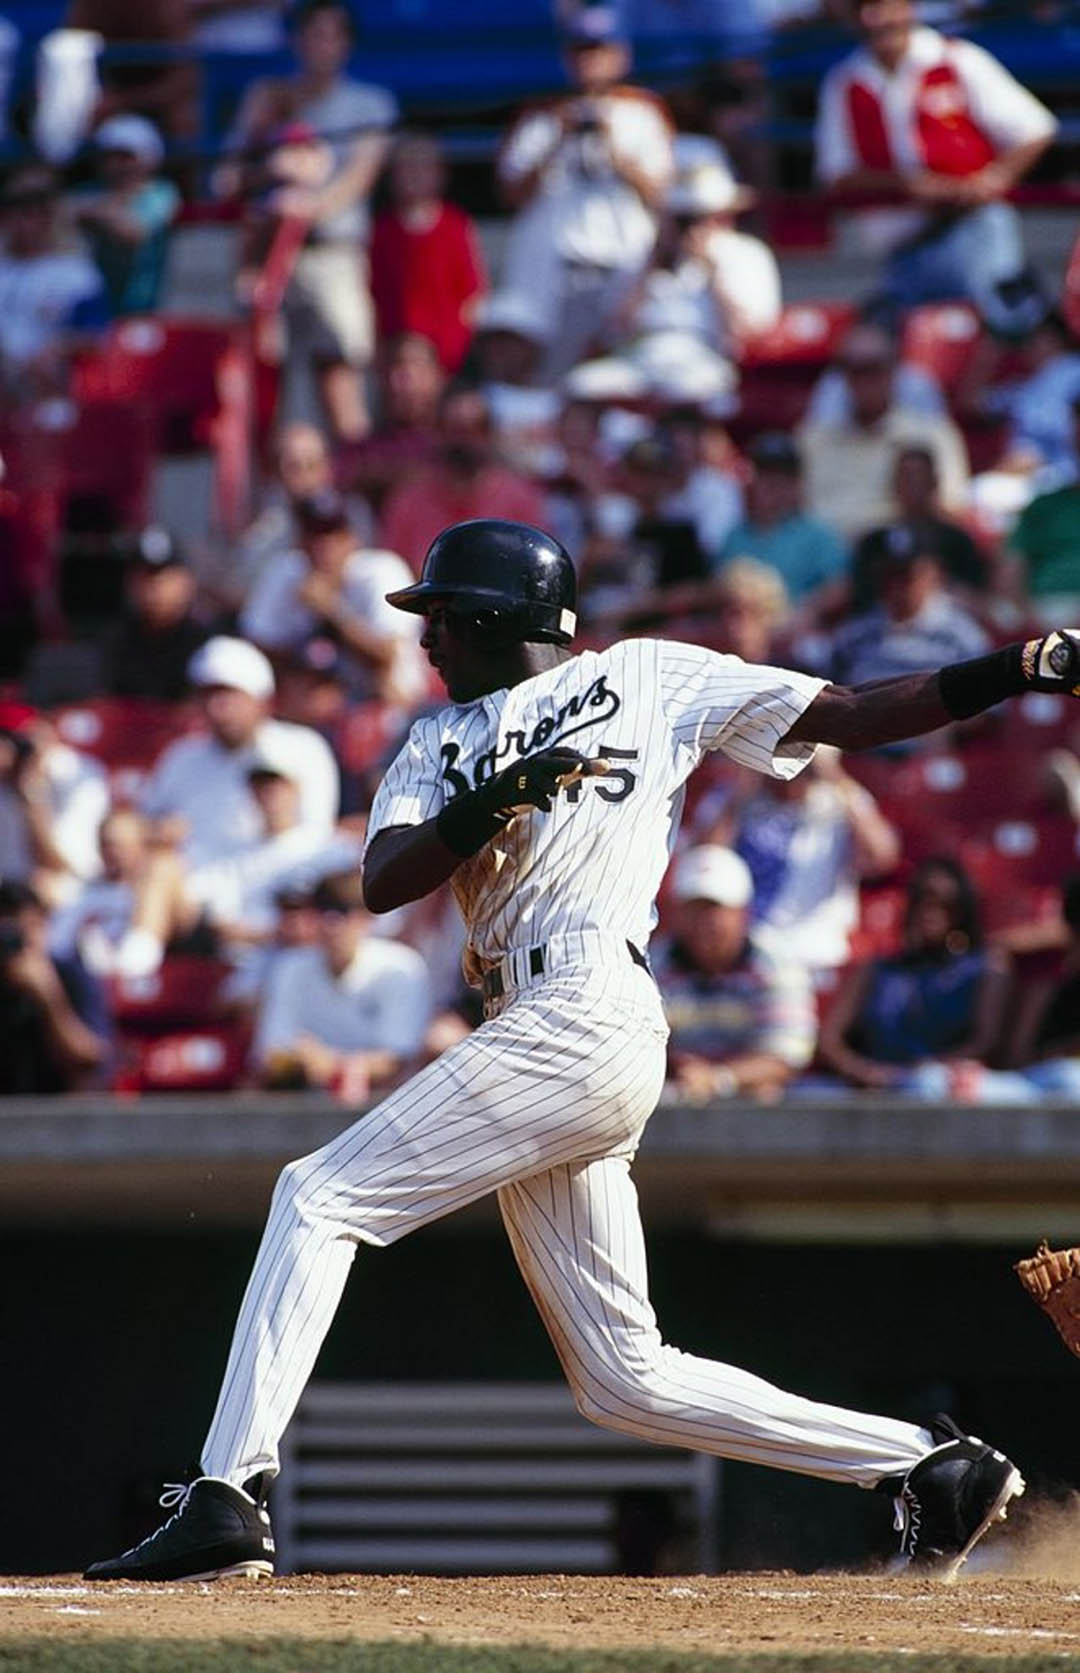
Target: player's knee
{"type": "Point", "coordinates": [616, 1396]}
{"type": "Point", "coordinates": [293, 1185]}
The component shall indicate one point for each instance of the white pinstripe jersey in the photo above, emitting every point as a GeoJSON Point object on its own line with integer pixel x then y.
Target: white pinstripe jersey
{"type": "Point", "coordinates": [593, 864]}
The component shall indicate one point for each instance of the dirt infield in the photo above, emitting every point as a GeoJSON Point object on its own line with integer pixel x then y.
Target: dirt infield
{"type": "Point", "coordinates": [743, 1614]}
{"type": "Point", "coordinates": [1020, 1598]}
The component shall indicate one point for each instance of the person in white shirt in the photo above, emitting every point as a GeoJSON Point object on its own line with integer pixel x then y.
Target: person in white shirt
{"type": "Point", "coordinates": [348, 1012]}
{"type": "Point", "coordinates": [52, 800]}
{"type": "Point", "coordinates": [850, 465]}
{"type": "Point", "coordinates": [51, 297]}
{"type": "Point", "coordinates": [586, 174]}
{"type": "Point", "coordinates": [510, 335]}
{"type": "Point", "coordinates": [119, 923]}
{"type": "Point", "coordinates": [238, 893]}
{"type": "Point", "coordinates": [198, 792]}
{"type": "Point", "coordinates": [331, 584]}
{"type": "Point", "coordinates": [707, 279]}
{"type": "Point", "coordinates": [942, 127]}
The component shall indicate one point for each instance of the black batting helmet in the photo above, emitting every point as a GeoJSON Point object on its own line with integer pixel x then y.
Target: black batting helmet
{"type": "Point", "coordinates": [512, 579]}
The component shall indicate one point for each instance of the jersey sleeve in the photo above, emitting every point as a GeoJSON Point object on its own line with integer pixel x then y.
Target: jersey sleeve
{"type": "Point", "coordinates": [412, 789]}
{"type": "Point", "coordinates": [742, 709]}
{"type": "Point", "coordinates": [1009, 113]}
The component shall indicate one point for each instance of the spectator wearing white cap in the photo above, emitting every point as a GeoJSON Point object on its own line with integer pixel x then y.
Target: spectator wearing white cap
{"type": "Point", "coordinates": [586, 173]}
{"type": "Point", "coordinates": [741, 1021]}
{"type": "Point", "coordinates": [237, 894]}
{"type": "Point", "coordinates": [198, 792]}
{"type": "Point", "coordinates": [127, 216]}
{"type": "Point", "coordinates": [510, 339]}
{"type": "Point", "coordinates": [707, 281]}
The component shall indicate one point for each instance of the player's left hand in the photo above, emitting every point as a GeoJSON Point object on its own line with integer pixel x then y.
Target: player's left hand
{"type": "Point", "coordinates": [534, 781]}
{"type": "Point", "coordinates": [1053, 662]}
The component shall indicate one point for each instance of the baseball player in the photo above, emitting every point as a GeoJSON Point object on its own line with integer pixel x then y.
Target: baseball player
{"type": "Point", "coordinates": [548, 793]}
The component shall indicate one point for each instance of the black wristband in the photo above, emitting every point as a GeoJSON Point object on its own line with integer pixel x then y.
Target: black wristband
{"type": "Point", "coordinates": [465, 824]}
{"type": "Point", "coordinates": [967, 688]}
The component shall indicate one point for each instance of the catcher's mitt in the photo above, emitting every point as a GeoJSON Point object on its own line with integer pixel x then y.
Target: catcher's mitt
{"type": "Point", "coordinates": [1052, 1280]}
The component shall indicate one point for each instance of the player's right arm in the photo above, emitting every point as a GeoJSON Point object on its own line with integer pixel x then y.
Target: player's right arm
{"type": "Point", "coordinates": [887, 711]}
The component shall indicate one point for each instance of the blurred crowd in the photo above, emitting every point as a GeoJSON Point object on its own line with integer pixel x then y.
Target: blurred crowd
{"type": "Point", "coordinates": [859, 489]}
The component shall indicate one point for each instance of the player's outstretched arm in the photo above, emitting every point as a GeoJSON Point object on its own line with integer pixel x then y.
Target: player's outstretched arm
{"type": "Point", "coordinates": [886, 711]}
{"type": "Point", "coordinates": [405, 862]}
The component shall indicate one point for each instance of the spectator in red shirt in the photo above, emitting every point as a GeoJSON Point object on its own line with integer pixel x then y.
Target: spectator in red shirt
{"type": "Point", "coordinates": [942, 132]}
{"type": "Point", "coordinates": [465, 480]}
{"type": "Point", "coordinates": [426, 262]}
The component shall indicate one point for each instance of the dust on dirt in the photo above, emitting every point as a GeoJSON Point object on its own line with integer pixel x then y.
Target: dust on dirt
{"type": "Point", "coordinates": [1044, 1539]}
{"type": "Point", "coordinates": [984, 1613]}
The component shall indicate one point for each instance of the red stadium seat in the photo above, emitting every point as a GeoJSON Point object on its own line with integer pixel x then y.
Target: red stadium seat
{"type": "Point", "coordinates": [881, 915]}
{"type": "Point", "coordinates": [103, 451]}
{"type": "Point", "coordinates": [977, 788]}
{"type": "Point", "coordinates": [99, 451]}
{"type": "Point", "coordinates": [169, 367]}
{"type": "Point", "coordinates": [806, 334]}
{"type": "Point", "coordinates": [126, 734]}
{"type": "Point", "coordinates": [1019, 867]}
{"type": "Point", "coordinates": [123, 731]}
{"type": "Point", "coordinates": [1039, 721]}
{"type": "Point", "coordinates": [186, 992]}
{"type": "Point", "coordinates": [941, 337]}
{"type": "Point", "coordinates": [780, 366]}
{"type": "Point", "coordinates": [204, 1060]}
{"type": "Point", "coordinates": [367, 732]}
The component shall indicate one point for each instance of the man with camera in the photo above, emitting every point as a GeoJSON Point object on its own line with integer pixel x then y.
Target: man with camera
{"type": "Point", "coordinates": [52, 800]}
{"type": "Point", "coordinates": [53, 1023]}
{"type": "Point", "coordinates": [587, 174]}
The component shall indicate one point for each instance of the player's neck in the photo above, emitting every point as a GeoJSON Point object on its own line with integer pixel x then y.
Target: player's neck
{"type": "Point", "coordinates": [522, 662]}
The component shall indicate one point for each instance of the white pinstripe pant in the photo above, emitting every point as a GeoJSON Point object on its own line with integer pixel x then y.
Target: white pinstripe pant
{"type": "Point", "coordinates": [545, 1104]}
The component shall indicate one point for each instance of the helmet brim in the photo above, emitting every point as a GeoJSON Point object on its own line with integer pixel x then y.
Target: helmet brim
{"type": "Point", "coordinates": [418, 598]}
{"type": "Point", "coordinates": [540, 621]}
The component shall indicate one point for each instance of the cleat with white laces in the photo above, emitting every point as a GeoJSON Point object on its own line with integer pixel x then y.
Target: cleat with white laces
{"type": "Point", "coordinates": [215, 1529]}
{"type": "Point", "coordinates": [950, 1498]}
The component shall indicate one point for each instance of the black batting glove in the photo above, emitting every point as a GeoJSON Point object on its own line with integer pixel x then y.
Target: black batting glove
{"type": "Point", "coordinates": [1053, 662]}
{"type": "Point", "coordinates": [467, 822]}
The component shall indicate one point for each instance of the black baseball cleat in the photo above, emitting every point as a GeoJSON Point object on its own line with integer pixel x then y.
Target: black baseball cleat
{"type": "Point", "coordinates": [215, 1529]}
{"type": "Point", "coordinates": [949, 1499]}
